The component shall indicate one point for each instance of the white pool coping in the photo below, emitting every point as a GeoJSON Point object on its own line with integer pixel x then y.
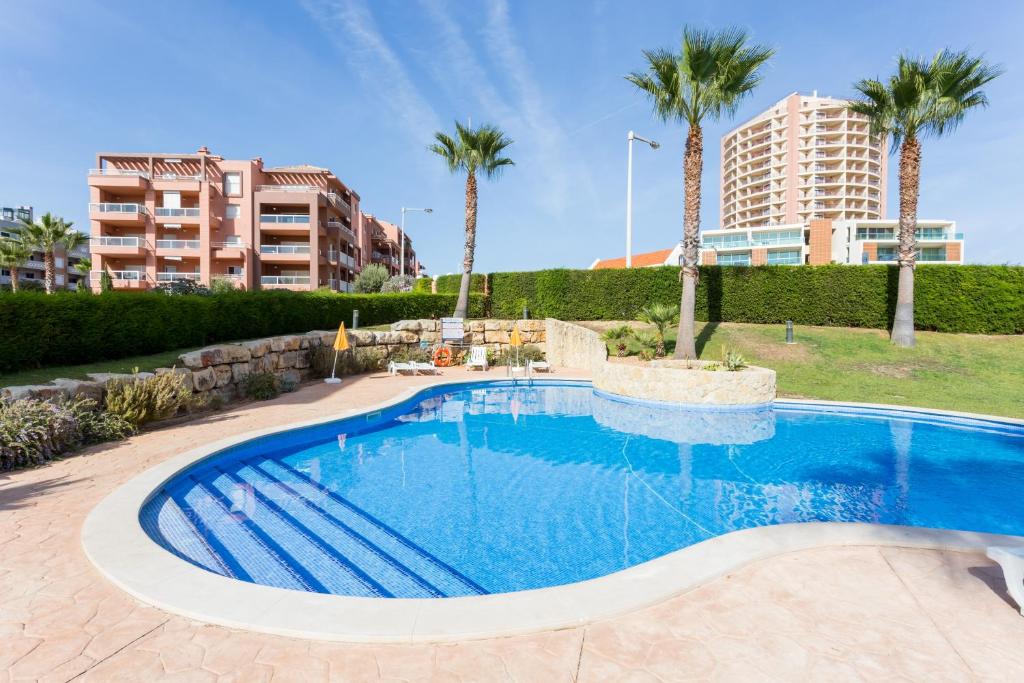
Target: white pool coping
{"type": "Point", "coordinates": [115, 542]}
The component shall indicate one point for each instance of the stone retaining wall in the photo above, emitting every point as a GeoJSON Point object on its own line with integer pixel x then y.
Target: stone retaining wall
{"type": "Point", "coordinates": [686, 383]}
{"type": "Point", "coordinates": [574, 346]}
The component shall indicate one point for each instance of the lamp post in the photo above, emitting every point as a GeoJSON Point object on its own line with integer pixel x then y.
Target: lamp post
{"type": "Point", "coordinates": [401, 256]}
{"type": "Point", "coordinates": [629, 192]}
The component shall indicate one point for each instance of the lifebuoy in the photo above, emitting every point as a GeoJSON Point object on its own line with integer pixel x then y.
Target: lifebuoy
{"type": "Point", "coordinates": [443, 357]}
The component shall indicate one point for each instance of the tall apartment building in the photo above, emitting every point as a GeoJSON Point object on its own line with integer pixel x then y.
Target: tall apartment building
{"type": "Point", "coordinates": [157, 218]}
{"type": "Point", "coordinates": [386, 246]}
{"type": "Point", "coordinates": [34, 270]}
{"type": "Point", "coordinates": [805, 158]}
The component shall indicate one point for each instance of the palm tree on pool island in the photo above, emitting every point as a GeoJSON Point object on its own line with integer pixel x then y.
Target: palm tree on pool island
{"type": "Point", "coordinates": [706, 79]}
{"type": "Point", "coordinates": [921, 99]}
{"type": "Point", "coordinates": [46, 235]}
{"type": "Point", "coordinates": [471, 150]}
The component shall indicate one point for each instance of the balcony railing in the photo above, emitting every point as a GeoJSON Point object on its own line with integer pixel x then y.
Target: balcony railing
{"type": "Point", "coordinates": [284, 248]}
{"type": "Point", "coordinates": [173, 277]}
{"type": "Point", "coordinates": [288, 188]}
{"type": "Point", "coordinates": [337, 200]}
{"type": "Point", "coordinates": [284, 218]}
{"type": "Point", "coordinates": [109, 207]}
{"type": "Point", "coordinates": [177, 244]}
{"type": "Point", "coordinates": [177, 212]}
{"type": "Point", "coordinates": [118, 241]}
{"type": "Point", "coordinates": [178, 176]}
{"type": "Point", "coordinates": [129, 172]}
{"type": "Point", "coordinates": [284, 279]}
{"type": "Point", "coordinates": [231, 245]}
{"type": "Point", "coordinates": [130, 275]}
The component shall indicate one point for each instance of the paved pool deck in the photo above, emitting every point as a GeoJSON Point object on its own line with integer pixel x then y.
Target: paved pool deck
{"type": "Point", "coordinates": [838, 613]}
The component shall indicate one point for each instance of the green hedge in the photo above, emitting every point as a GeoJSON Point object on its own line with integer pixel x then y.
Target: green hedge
{"type": "Point", "coordinates": [37, 330]}
{"type": "Point", "coordinates": [449, 284]}
{"type": "Point", "coordinates": [977, 299]}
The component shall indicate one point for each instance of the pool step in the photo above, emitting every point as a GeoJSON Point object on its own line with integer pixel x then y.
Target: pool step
{"type": "Point", "coordinates": [341, 540]}
{"type": "Point", "coordinates": [404, 552]}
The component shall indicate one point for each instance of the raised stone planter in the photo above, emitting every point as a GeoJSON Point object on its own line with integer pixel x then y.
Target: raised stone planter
{"type": "Point", "coordinates": [687, 383]}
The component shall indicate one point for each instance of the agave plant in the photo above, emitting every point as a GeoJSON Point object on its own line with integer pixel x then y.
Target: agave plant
{"type": "Point", "coordinates": [662, 316]}
{"type": "Point", "coordinates": [619, 335]}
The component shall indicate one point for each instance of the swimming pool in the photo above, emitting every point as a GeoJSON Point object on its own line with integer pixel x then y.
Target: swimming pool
{"type": "Point", "coordinates": [490, 488]}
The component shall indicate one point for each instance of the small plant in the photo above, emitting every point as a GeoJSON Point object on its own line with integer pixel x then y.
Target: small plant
{"type": "Point", "coordinates": [713, 366]}
{"type": "Point", "coordinates": [183, 288]}
{"type": "Point", "coordinates": [733, 361]}
{"type": "Point", "coordinates": [351, 362]}
{"type": "Point", "coordinates": [32, 432]}
{"type": "Point", "coordinates": [648, 342]}
{"type": "Point", "coordinates": [619, 335]}
{"type": "Point", "coordinates": [645, 354]}
{"type": "Point", "coordinates": [262, 386]}
{"type": "Point", "coordinates": [370, 279]}
{"type": "Point", "coordinates": [139, 401]}
{"type": "Point", "coordinates": [507, 356]}
{"type": "Point", "coordinates": [662, 316]}
{"type": "Point", "coordinates": [222, 285]}
{"type": "Point", "coordinates": [411, 353]}
{"type": "Point", "coordinates": [96, 425]}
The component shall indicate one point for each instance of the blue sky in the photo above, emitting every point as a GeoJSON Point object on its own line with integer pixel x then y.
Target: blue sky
{"type": "Point", "coordinates": [360, 86]}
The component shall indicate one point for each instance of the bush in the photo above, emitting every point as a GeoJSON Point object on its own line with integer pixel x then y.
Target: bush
{"type": "Point", "coordinates": [138, 401]}
{"type": "Point", "coordinates": [67, 329]}
{"type": "Point", "coordinates": [423, 285]}
{"type": "Point", "coordinates": [508, 355]}
{"type": "Point", "coordinates": [449, 284]}
{"type": "Point", "coordinates": [96, 425]}
{"type": "Point", "coordinates": [350, 362]}
{"type": "Point", "coordinates": [183, 287]}
{"type": "Point", "coordinates": [222, 285]}
{"type": "Point", "coordinates": [262, 386]}
{"type": "Point", "coordinates": [32, 432]}
{"type": "Point", "coordinates": [411, 353]}
{"type": "Point", "coordinates": [370, 279]}
{"type": "Point", "coordinates": [398, 283]}
{"type": "Point", "coordinates": [976, 299]}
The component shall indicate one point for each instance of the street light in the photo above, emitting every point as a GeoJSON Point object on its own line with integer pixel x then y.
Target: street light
{"type": "Point", "coordinates": [401, 256]}
{"type": "Point", "coordinates": [629, 193]}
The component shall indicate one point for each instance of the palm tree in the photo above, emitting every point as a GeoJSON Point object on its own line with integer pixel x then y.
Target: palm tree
{"type": "Point", "coordinates": [84, 267]}
{"type": "Point", "coordinates": [13, 254]}
{"type": "Point", "coordinates": [46, 235]}
{"type": "Point", "coordinates": [471, 150]}
{"type": "Point", "coordinates": [921, 99]}
{"type": "Point", "coordinates": [662, 316]}
{"type": "Point", "coordinates": [707, 79]}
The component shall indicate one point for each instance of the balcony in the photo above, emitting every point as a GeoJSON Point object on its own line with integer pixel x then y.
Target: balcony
{"type": "Point", "coordinates": [178, 182]}
{"type": "Point", "coordinates": [339, 203]}
{"type": "Point", "coordinates": [122, 279]}
{"type": "Point", "coordinates": [176, 247]}
{"type": "Point", "coordinates": [285, 281]}
{"type": "Point", "coordinates": [287, 224]}
{"type": "Point", "coordinates": [118, 178]}
{"type": "Point", "coordinates": [184, 215]}
{"type": "Point", "coordinates": [232, 250]}
{"type": "Point", "coordinates": [121, 214]}
{"type": "Point", "coordinates": [165, 276]}
{"type": "Point", "coordinates": [338, 225]}
{"type": "Point", "coordinates": [288, 188]}
{"type": "Point", "coordinates": [118, 246]}
{"type": "Point", "coordinates": [284, 253]}
{"type": "Point", "coordinates": [286, 218]}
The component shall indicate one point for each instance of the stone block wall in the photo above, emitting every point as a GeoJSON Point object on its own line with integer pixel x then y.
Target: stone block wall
{"type": "Point", "coordinates": [574, 346]}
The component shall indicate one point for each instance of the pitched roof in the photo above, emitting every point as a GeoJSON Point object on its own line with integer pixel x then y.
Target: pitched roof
{"type": "Point", "coordinates": [651, 258]}
{"type": "Point", "coordinates": [298, 168]}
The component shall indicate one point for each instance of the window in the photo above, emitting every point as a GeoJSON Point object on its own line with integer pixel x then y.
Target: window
{"type": "Point", "coordinates": [8, 214]}
{"type": "Point", "coordinates": [60, 279]}
{"type": "Point", "coordinates": [235, 270]}
{"type": "Point", "coordinates": [780, 237]}
{"type": "Point", "coordinates": [886, 254]}
{"type": "Point", "coordinates": [742, 259]}
{"type": "Point", "coordinates": [876, 233]}
{"type": "Point", "coordinates": [932, 254]}
{"type": "Point", "coordinates": [59, 262]}
{"type": "Point", "coordinates": [785, 257]}
{"type": "Point", "coordinates": [232, 211]}
{"type": "Point", "coordinates": [931, 234]}
{"type": "Point", "coordinates": [233, 184]}
{"type": "Point", "coordinates": [725, 241]}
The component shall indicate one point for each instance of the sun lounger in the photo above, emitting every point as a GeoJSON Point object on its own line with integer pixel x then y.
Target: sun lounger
{"type": "Point", "coordinates": [1012, 562]}
{"type": "Point", "coordinates": [539, 366]}
{"type": "Point", "coordinates": [428, 368]}
{"type": "Point", "coordinates": [395, 368]}
{"type": "Point", "coordinates": [477, 358]}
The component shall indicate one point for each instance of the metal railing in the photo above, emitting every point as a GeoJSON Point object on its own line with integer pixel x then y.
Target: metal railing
{"type": "Point", "coordinates": [111, 207]}
{"type": "Point", "coordinates": [288, 188]}
{"type": "Point", "coordinates": [284, 279]}
{"type": "Point", "coordinates": [129, 172]}
{"type": "Point", "coordinates": [191, 211]}
{"type": "Point", "coordinates": [284, 248]}
{"type": "Point", "coordinates": [172, 277]}
{"type": "Point", "coordinates": [118, 241]}
{"type": "Point", "coordinates": [231, 245]}
{"type": "Point", "coordinates": [178, 176]}
{"type": "Point", "coordinates": [284, 218]}
{"type": "Point", "coordinates": [337, 200]}
{"type": "Point", "coordinates": [177, 244]}
{"type": "Point", "coordinates": [128, 275]}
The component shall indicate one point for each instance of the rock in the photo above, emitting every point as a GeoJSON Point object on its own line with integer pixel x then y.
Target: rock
{"type": "Point", "coordinates": [302, 359]}
{"type": "Point", "coordinates": [492, 325]}
{"type": "Point", "coordinates": [431, 337]}
{"type": "Point", "coordinates": [292, 342]}
{"type": "Point", "coordinates": [240, 371]}
{"type": "Point", "coordinates": [287, 359]}
{"type": "Point", "coordinates": [477, 338]}
{"type": "Point", "coordinates": [290, 375]}
{"type": "Point", "coordinates": [475, 326]}
{"type": "Point", "coordinates": [108, 377]}
{"type": "Point", "coordinates": [531, 325]}
{"type": "Point", "coordinates": [184, 372]}
{"type": "Point", "coordinates": [76, 388]}
{"type": "Point", "coordinates": [224, 374]}
{"type": "Point", "coordinates": [265, 363]}
{"type": "Point", "coordinates": [215, 355]}
{"type": "Point", "coordinates": [204, 380]}
{"type": "Point", "coordinates": [362, 338]}
{"type": "Point", "coordinates": [229, 392]}
{"type": "Point", "coordinates": [397, 338]}
{"type": "Point", "coordinates": [496, 337]}
{"type": "Point", "coordinates": [415, 326]}
{"type": "Point", "coordinates": [257, 347]}
{"type": "Point", "coordinates": [321, 338]}
{"type": "Point", "coordinates": [39, 392]}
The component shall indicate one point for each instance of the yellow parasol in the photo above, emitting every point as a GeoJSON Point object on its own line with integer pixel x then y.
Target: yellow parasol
{"type": "Point", "coordinates": [515, 339]}
{"type": "Point", "coordinates": [340, 344]}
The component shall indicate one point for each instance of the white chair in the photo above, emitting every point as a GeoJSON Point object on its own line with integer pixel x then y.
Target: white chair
{"type": "Point", "coordinates": [395, 368]}
{"type": "Point", "coordinates": [1011, 559]}
{"type": "Point", "coordinates": [513, 370]}
{"type": "Point", "coordinates": [427, 368]}
{"type": "Point", "coordinates": [538, 366]}
{"type": "Point", "coordinates": [477, 358]}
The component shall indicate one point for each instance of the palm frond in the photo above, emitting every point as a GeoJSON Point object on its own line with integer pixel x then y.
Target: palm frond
{"type": "Point", "coordinates": [473, 149]}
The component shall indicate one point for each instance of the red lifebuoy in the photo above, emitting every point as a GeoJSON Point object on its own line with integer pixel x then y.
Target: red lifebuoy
{"type": "Point", "coordinates": [443, 357]}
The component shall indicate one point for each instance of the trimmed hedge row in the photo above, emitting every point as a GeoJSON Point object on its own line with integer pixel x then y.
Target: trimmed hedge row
{"type": "Point", "coordinates": [37, 330]}
{"type": "Point", "coordinates": [449, 284]}
{"type": "Point", "coordinates": [976, 299]}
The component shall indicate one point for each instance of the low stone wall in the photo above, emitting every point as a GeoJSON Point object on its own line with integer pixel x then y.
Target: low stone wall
{"type": "Point", "coordinates": [686, 383]}
{"type": "Point", "coordinates": [494, 334]}
{"type": "Point", "coordinates": [574, 346]}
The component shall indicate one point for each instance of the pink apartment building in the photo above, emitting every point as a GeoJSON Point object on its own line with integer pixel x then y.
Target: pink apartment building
{"type": "Point", "coordinates": [157, 218]}
{"type": "Point", "coordinates": [386, 246]}
{"type": "Point", "coordinates": [805, 158]}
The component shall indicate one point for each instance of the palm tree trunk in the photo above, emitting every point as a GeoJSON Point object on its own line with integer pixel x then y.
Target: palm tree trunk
{"type": "Point", "coordinates": [50, 271]}
{"type": "Point", "coordinates": [14, 278]}
{"type": "Point", "coordinates": [910, 180]}
{"type": "Point", "coordinates": [693, 162]}
{"type": "Point", "coordinates": [462, 305]}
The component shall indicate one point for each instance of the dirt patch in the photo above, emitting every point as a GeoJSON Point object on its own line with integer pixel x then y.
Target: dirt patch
{"type": "Point", "coordinates": [783, 352]}
{"type": "Point", "coordinates": [894, 371]}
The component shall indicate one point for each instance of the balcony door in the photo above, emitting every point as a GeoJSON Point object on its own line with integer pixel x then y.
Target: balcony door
{"type": "Point", "coordinates": [172, 200]}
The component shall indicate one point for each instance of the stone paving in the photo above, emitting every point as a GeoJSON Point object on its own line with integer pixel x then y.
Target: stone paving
{"type": "Point", "coordinates": [829, 614]}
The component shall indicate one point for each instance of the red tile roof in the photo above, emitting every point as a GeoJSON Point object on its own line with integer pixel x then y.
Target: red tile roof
{"type": "Point", "coordinates": [651, 258]}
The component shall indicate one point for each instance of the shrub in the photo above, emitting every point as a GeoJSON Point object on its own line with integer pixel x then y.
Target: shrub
{"type": "Point", "coordinates": [423, 285]}
{"type": "Point", "coordinates": [32, 432]}
{"type": "Point", "coordinates": [222, 285]}
{"type": "Point", "coordinates": [508, 355]}
{"type": "Point", "coordinates": [411, 353]}
{"type": "Point", "coordinates": [139, 400]}
{"type": "Point", "coordinates": [647, 341]}
{"type": "Point", "coordinates": [262, 386]}
{"type": "Point", "coordinates": [183, 287]}
{"type": "Point", "coordinates": [398, 283]}
{"type": "Point", "coordinates": [449, 284]}
{"type": "Point", "coordinates": [351, 362]}
{"type": "Point", "coordinates": [732, 360]}
{"type": "Point", "coordinates": [662, 316]}
{"type": "Point", "coordinates": [618, 335]}
{"type": "Point", "coordinates": [69, 330]}
{"type": "Point", "coordinates": [370, 279]}
{"type": "Point", "coordinates": [948, 298]}
{"type": "Point", "coordinates": [96, 425]}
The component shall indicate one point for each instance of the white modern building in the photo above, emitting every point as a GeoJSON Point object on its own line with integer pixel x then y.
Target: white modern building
{"type": "Point", "coordinates": [34, 270]}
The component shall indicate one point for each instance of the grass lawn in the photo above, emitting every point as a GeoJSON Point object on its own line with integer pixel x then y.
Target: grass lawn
{"type": "Point", "coordinates": [972, 373]}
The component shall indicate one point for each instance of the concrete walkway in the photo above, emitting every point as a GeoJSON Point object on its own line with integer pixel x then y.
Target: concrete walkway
{"type": "Point", "coordinates": [829, 614]}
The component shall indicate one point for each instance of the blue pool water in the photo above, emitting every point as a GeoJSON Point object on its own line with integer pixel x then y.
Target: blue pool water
{"type": "Point", "coordinates": [483, 489]}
